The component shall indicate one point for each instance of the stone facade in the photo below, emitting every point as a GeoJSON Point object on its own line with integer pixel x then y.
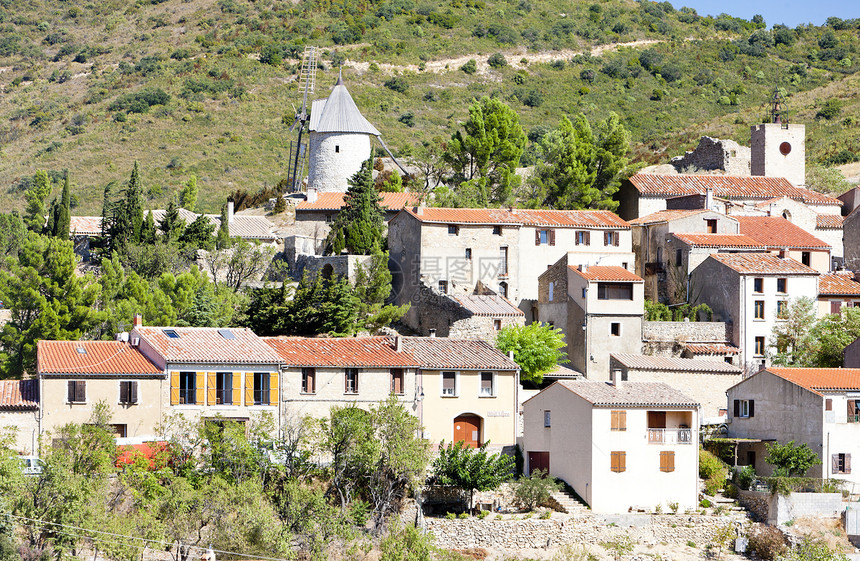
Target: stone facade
{"type": "Point", "coordinates": [714, 154]}
{"type": "Point", "coordinates": [334, 158]}
{"type": "Point", "coordinates": [446, 317]}
{"type": "Point", "coordinates": [851, 241]}
{"type": "Point", "coordinates": [779, 150]}
{"type": "Point", "coordinates": [329, 266]}
{"type": "Point", "coordinates": [665, 338]}
{"type": "Point", "coordinates": [776, 509]}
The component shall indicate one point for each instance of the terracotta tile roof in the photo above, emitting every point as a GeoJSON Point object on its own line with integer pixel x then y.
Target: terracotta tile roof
{"type": "Point", "coordinates": [711, 349]}
{"type": "Point", "coordinates": [19, 394]}
{"type": "Point", "coordinates": [104, 358]}
{"type": "Point", "coordinates": [727, 186]}
{"type": "Point", "coordinates": [628, 394]}
{"type": "Point", "coordinates": [334, 201]}
{"type": "Point", "coordinates": [665, 216]}
{"type": "Point", "coordinates": [838, 284]}
{"type": "Point", "coordinates": [520, 217]}
{"type": "Point", "coordinates": [762, 264]}
{"type": "Point", "coordinates": [821, 379]}
{"type": "Point", "coordinates": [672, 364]}
{"type": "Point", "coordinates": [488, 305]}
{"type": "Point", "coordinates": [208, 345]}
{"type": "Point", "coordinates": [462, 215]}
{"type": "Point", "coordinates": [606, 273]}
{"type": "Point", "coordinates": [829, 222]}
{"type": "Point", "coordinates": [456, 354]}
{"type": "Point", "coordinates": [85, 225]}
{"type": "Point", "coordinates": [720, 240]}
{"type": "Point", "coordinates": [776, 233]}
{"type": "Point", "coordinates": [366, 352]}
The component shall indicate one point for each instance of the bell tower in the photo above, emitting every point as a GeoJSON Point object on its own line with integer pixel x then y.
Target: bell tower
{"type": "Point", "coordinates": [777, 148]}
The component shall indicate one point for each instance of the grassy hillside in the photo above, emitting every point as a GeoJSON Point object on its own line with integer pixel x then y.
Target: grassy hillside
{"type": "Point", "coordinates": [203, 86]}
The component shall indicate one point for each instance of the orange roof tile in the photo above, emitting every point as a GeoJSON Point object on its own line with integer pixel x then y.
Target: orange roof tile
{"type": "Point", "coordinates": [92, 357]}
{"type": "Point", "coordinates": [606, 273]}
{"type": "Point", "coordinates": [208, 345]}
{"type": "Point", "coordinates": [719, 240]}
{"type": "Point", "coordinates": [19, 394]}
{"type": "Point", "coordinates": [820, 379]}
{"type": "Point", "coordinates": [457, 354]}
{"type": "Point", "coordinates": [520, 217]}
{"type": "Point", "coordinates": [665, 216]}
{"type": "Point", "coordinates": [838, 284]}
{"type": "Point", "coordinates": [334, 201]}
{"type": "Point", "coordinates": [762, 264]}
{"type": "Point", "coordinates": [727, 186]}
{"type": "Point", "coordinates": [367, 352]}
{"type": "Point", "coordinates": [462, 215]}
{"type": "Point", "coordinates": [829, 221]}
{"type": "Point", "coordinates": [85, 225]}
{"type": "Point", "coordinates": [776, 232]}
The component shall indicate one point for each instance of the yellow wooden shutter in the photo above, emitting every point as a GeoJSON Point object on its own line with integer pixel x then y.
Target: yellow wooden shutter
{"type": "Point", "coordinates": [237, 388]}
{"type": "Point", "coordinates": [211, 386]}
{"type": "Point", "coordinates": [174, 388]}
{"type": "Point", "coordinates": [249, 388]}
{"type": "Point", "coordinates": [273, 388]}
{"type": "Point", "coordinates": [199, 387]}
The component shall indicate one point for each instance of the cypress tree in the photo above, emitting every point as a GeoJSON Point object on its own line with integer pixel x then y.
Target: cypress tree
{"type": "Point", "coordinates": [222, 239]}
{"type": "Point", "coordinates": [147, 233]}
{"type": "Point", "coordinates": [63, 218]}
{"type": "Point", "coordinates": [171, 225]}
{"type": "Point", "coordinates": [360, 224]}
{"type": "Point", "coordinates": [126, 220]}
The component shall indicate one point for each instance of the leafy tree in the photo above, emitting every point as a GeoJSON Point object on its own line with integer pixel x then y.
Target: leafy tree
{"type": "Point", "coordinates": [360, 224]}
{"type": "Point", "coordinates": [535, 490]}
{"type": "Point", "coordinates": [826, 180]}
{"type": "Point", "coordinates": [199, 234]}
{"type": "Point", "coordinates": [188, 195]}
{"type": "Point", "coordinates": [348, 438]}
{"type": "Point", "coordinates": [791, 460]}
{"type": "Point", "coordinates": [13, 233]}
{"type": "Point", "coordinates": [485, 154]}
{"type": "Point", "coordinates": [537, 348]}
{"type": "Point", "coordinates": [36, 195]}
{"type": "Point", "coordinates": [791, 337]}
{"type": "Point", "coordinates": [240, 263]}
{"type": "Point", "coordinates": [222, 238]}
{"type": "Point", "coordinates": [471, 469]}
{"type": "Point", "coordinates": [373, 288]}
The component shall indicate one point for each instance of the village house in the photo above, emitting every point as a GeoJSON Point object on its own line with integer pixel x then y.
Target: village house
{"type": "Point", "coordinates": [825, 227]}
{"type": "Point", "coordinates": [819, 407]}
{"type": "Point", "coordinates": [19, 414]}
{"type": "Point", "coordinates": [751, 291]}
{"type": "Point", "coordinates": [606, 439]}
{"type": "Point", "coordinates": [467, 316]}
{"type": "Point", "coordinates": [837, 290]}
{"type": "Point", "coordinates": [851, 240]}
{"type": "Point", "coordinates": [783, 238]}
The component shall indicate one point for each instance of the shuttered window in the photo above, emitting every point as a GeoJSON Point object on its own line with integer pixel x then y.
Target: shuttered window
{"type": "Point", "coordinates": [744, 408]}
{"type": "Point", "coordinates": [667, 461]}
{"type": "Point", "coordinates": [618, 461]}
{"type": "Point", "coordinates": [77, 391]}
{"type": "Point", "coordinates": [128, 392]}
{"type": "Point", "coordinates": [841, 463]}
{"type": "Point", "coordinates": [274, 386]}
{"type": "Point", "coordinates": [309, 380]}
{"type": "Point", "coordinates": [853, 411]}
{"type": "Point", "coordinates": [262, 388]}
{"type": "Point", "coordinates": [350, 380]}
{"type": "Point", "coordinates": [449, 384]}
{"type": "Point", "coordinates": [619, 420]}
{"type": "Point", "coordinates": [397, 381]}
{"type": "Point", "coordinates": [224, 388]}
{"type": "Point", "coordinates": [487, 389]}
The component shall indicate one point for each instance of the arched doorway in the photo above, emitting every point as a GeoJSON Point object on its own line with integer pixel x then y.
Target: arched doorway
{"type": "Point", "coordinates": [468, 429]}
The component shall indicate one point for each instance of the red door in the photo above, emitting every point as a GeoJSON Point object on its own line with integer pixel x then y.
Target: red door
{"type": "Point", "coordinates": [538, 460]}
{"type": "Point", "coordinates": [468, 429]}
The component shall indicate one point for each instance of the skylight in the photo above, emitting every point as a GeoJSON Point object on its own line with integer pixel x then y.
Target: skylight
{"type": "Point", "coordinates": [226, 333]}
{"type": "Point", "coordinates": [81, 351]}
{"type": "Point", "coordinates": [171, 333]}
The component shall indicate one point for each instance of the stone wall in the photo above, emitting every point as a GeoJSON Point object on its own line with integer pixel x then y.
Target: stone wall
{"type": "Point", "coordinates": [757, 502]}
{"type": "Point", "coordinates": [448, 318]}
{"type": "Point", "coordinates": [340, 265]}
{"type": "Point", "coordinates": [715, 154]}
{"type": "Point", "coordinates": [776, 509]}
{"type": "Point", "coordinates": [686, 332]}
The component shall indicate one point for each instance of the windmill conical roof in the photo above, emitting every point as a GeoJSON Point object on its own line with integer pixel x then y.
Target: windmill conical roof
{"type": "Point", "coordinates": [339, 113]}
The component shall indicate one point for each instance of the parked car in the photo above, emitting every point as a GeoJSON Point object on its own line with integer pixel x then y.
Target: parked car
{"type": "Point", "coordinates": [31, 465]}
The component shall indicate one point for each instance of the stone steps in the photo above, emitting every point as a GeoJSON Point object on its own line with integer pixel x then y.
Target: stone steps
{"type": "Point", "coordinates": [568, 502]}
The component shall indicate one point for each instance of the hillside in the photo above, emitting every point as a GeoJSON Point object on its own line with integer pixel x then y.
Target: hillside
{"type": "Point", "coordinates": [203, 86]}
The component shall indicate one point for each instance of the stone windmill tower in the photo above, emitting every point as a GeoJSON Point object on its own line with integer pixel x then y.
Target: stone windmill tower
{"type": "Point", "coordinates": [339, 140]}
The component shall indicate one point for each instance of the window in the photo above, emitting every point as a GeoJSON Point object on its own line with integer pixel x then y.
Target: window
{"type": "Point", "coordinates": [782, 286]}
{"type": "Point", "coordinates": [188, 388]}
{"type": "Point", "coordinates": [544, 237]}
{"type": "Point", "coordinates": [449, 384]}
{"type": "Point", "coordinates": [711, 225]}
{"type": "Point", "coordinates": [615, 329]}
{"type": "Point", "coordinates": [497, 325]}
{"type": "Point", "coordinates": [835, 306]}
{"type": "Point", "coordinates": [503, 260]}
{"type": "Point", "coordinates": [667, 461]}
{"type": "Point", "coordinates": [396, 381]}
{"type": "Point", "coordinates": [614, 291]}
{"type": "Point", "coordinates": [468, 254]}
{"type": "Point", "coordinates": [841, 463]}
{"type": "Point", "coordinates": [679, 257]}
{"type": "Point", "coordinates": [758, 308]}
{"type": "Point", "coordinates": [77, 391]}
{"type": "Point", "coordinates": [828, 404]}
{"type": "Point", "coordinates": [497, 230]}
{"type": "Point", "coordinates": [551, 290]}
{"type": "Point", "coordinates": [583, 238]}
{"type": "Point", "coordinates": [758, 285]}
{"type": "Point", "coordinates": [547, 419]}
{"type": "Point", "coordinates": [337, 149]}
{"type": "Point", "coordinates": [487, 388]}
{"type": "Point", "coordinates": [329, 218]}
{"type": "Point", "coordinates": [309, 380]}
{"type": "Point", "coordinates": [610, 238]}
{"type": "Point", "coordinates": [584, 292]}
{"type": "Point", "coordinates": [781, 309]}
{"type": "Point", "coordinates": [618, 461]}
{"type": "Point", "coordinates": [806, 258]}
{"type": "Point", "coordinates": [261, 388]}
{"type": "Point", "coordinates": [759, 346]}
{"type": "Point", "coordinates": [744, 408]}
{"type": "Point", "coordinates": [853, 411]}
{"type": "Point", "coordinates": [128, 392]}
{"type": "Point", "coordinates": [223, 388]}
{"type": "Point", "coordinates": [618, 420]}
{"type": "Point", "coordinates": [503, 289]}
{"type": "Point", "coordinates": [350, 380]}
{"type": "Point", "coordinates": [453, 230]}
{"type": "Point", "coordinates": [443, 286]}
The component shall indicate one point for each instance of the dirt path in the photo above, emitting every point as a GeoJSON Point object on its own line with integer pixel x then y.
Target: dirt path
{"type": "Point", "coordinates": [514, 56]}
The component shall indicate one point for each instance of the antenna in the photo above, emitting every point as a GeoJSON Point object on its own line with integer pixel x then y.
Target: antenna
{"type": "Point", "coordinates": [307, 82]}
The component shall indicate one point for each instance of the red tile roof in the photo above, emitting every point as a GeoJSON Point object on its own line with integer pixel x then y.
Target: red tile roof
{"type": "Point", "coordinates": [821, 379]}
{"type": "Point", "coordinates": [838, 284]}
{"type": "Point", "coordinates": [665, 216]}
{"type": "Point", "coordinates": [727, 186]}
{"type": "Point", "coordinates": [19, 394]}
{"type": "Point", "coordinates": [92, 357]}
{"type": "Point", "coordinates": [762, 264]}
{"type": "Point", "coordinates": [462, 215]}
{"type": "Point", "coordinates": [720, 240]}
{"type": "Point", "coordinates": [711, 349]}
{"type": "Point", "coordinates": [208, 345]}
{"type": "Point", "coordinates": [456, 354]}
{"type": "Point", "coordinates": [606, 273]}
{"type": "Point", "coordinates": [776, 232]}
{"type": "Point", "coordinates": [829, 222]}
{"type": "Point", "coordinates": [520, 217]}
{"type": "Point", "coordinates": [334, 201]}
{"type": "Point", "coordinates": [366, 352]}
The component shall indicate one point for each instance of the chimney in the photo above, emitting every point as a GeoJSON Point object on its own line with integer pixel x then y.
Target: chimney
{"type": "Point", "coordinates": [432, 333]}
{"type": "Point", "coordinates": [583, 268]}
{"type": "Point", "coordinates": [419, 210]}
{"type": "Point", "coordinates": [229, 211]}
{"type": "Point", "coordinates": [137, 321]}
{"type": "Point", "coordinates": [615, 377]}
{"type": "Point", "coordinates": [511, 355]}
{"type": "Point", "coordinates": [313, 195]}
{"type": "Point", "coordinates": [398, 343]}
{"type": "Point", "coordinates": [709, 199]}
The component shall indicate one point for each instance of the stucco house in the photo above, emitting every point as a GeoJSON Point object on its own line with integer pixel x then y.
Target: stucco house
{"type": "Point", "coordinates": [466, 316]}
{"type": "Point", "coordinates": [779, 236]}
{"type": "Point", "coordinates": [19, 414]}
{"type": "Point", "coordinates": [620, 445]}
{"type": "Point", "coordinates": [819, 407]}
{"type": "Point", "coordinates": [836, 291]}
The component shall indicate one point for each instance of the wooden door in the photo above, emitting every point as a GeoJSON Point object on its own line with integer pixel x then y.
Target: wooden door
{"type": "Point", "coordinates": [468, 429]}
{"type": "Point", "coordinates": [538, 460]}
{"type": "Point", "coordinates": [656, 419]}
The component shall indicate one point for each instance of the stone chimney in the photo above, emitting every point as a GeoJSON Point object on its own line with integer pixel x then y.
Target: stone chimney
{"type": "Point", "coordinates": [615, 377]}
{"type": "Point", "coordinates": [419, 210]}
{"type": "Point", "coordinates": [313, 195]}
{"type": "Point", "coordinates": [137, 321]}
{"type": "Point", "coordinates": [583, 268]}
{"type": "Point", "coordinates": [229, 211]}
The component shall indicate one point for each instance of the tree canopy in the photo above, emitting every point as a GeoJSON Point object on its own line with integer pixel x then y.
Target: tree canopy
{"type": "Point", "coordinates": [790, 459]}
{"type": "Point", "coordinates": [471, 469]}
{"type": "Point", "coordinates": [360, 225]}
{"type": "Point", "coordinates": [537, 348]}
{"type": "Point", "coordinates": [803, 340]}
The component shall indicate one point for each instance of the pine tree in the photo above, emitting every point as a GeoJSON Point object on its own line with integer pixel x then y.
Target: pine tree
{"type": "Point", "coordinates": [360, 224]}
{"type": "Point", "coordinates": [222, 239]}
{"type": "Point", "coordinates": [188, 196]}
{"type": "Point", "coordinates": [36, 196]}
{"type": "Point", "coordinates": [199, 234]}
{"type": "Point", "coordinates": [171, 225]}
{"type": "Point", "coordinates": [148, 232]}
{"type": "Point", "coordinates": [126, 215]}
{"type": "Point", "coordinates": [62, 217]}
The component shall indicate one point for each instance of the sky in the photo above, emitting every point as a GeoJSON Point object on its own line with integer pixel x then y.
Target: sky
{"type": "Point", "coordinates": [788, 12]}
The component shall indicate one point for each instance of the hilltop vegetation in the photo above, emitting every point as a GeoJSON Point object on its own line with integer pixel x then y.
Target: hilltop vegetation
{"type": "Point", "coordinates": [205, 87]}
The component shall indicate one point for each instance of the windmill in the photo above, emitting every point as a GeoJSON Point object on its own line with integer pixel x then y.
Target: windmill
{"type": "Point", "coordinates": [298, 151]}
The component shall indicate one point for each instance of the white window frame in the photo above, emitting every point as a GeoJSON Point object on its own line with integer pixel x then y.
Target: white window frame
{"type": "Point", "coordinates": [456, 384]}
{"type": "Point", "coordinates": [492, 393]}
{"type": "Point", "coordinates": [744, 409]}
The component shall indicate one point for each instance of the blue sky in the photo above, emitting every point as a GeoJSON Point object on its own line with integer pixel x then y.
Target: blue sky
{"type": "Point", "coordinates": [789, 12]}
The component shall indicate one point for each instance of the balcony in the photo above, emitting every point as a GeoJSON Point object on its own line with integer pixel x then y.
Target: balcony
{"type": "Point", "coordinates": [854, 418]}
{"type": "Point", "coordinates": [670, 436]}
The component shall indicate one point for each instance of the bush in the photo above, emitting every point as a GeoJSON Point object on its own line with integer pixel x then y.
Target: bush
{"type": "Point", "coordinates": [767, 542]}
{"type": "Point", "coordinates": [705, 503]}
{"type": "Point", "coordinates": [470, 67]}
{"type": "Point", "coordinates": [140, 102]}
{"type": "Point", "coordinates": [746, 477]}
{"type": "Point", "coordinates": [535, 490]}
{"type": "Point", "coordinates": [497, 60]}
{"type": "Point", "coordinates": [407, 119]}
{"type": "Point", "coordinates": [397, 84]}
{"type": "Point", "coordinates": [713, 471]}
{"type": "Point", "coordinates": [830, 109]}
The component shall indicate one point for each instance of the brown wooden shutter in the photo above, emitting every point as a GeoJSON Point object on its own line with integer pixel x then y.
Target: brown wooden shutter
{"type": "Point", "coordinates": [551, 237]}
{"type": "Point", "coordinates": [576, 237]}
{"type": "Point", "coordinates": [237, 388]}
{"type": "Point", "coordinates": [133, 391]}
{"type": "Point", "coordinates": [851, 410]}
{"type": "Point", "coordinates": [835, 306]}
{"type": "Point", "coordinates": [537, 237]}
{"type": "Point", "coordinates": [752, 408]}
{"type": "Point", "coordinates": [174, 388]}
{"type": "Point", "coordinates": [124, 391]}
{"type": "Point", "coordinates": [622, 420]}
{"type": "Point", "coordinates": [606, 238]}
{"type": "Point", "coordinates": [211, 386]}
{"type": "Point", "coordinates": [737, 412]}
{"type": "Point", "coordinates": [828, 405]}
{"type": "Point", "coordinates": [81, 391]}
{"type": "Point", "coordinates": [249, 388]}
{"type": "Point", "coordinates": [616, 238]}
{"type": "Point", "coordinates": [834, 463]}
{"type": "Point", "coordinates": [588, 238]}
{"type": "Point", "coordinates": [273, 388]}
{"type": "Point", "coordinates": [847, 463]}
{"type": "Point", "coordinates": [70, 395]}
{"type": "Point", "coordinates": [618, 461]}
{"type": "Point", "coordinates": [667, 461]}
{"type": "Point", "coordinates": [199, 388]}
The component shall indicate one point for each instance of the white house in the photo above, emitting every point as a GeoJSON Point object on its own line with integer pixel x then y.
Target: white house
{"type": "Point", "coordinates": [620, 446]}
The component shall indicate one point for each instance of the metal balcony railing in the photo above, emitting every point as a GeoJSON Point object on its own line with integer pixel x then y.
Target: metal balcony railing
{"type": "Point", "coordinates": [670, 436]}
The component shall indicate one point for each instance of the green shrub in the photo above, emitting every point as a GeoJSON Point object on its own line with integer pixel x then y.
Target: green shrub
{"type": "Point", "coordinates": [450, 516]}
{"type": "Point", "coordinates": [483, 514]}
{"type": "Point", "coordinates": [141, 101]}
{"type": "Point", "coordinates": [397, 84]}
{"type": "Point", "coordinates": [470, 67]}
{"type": "Point", "coordinates": [746, 477]}
{"type": "Point", "coordinates": [830, 109]}
{"type": "Point", "coordinates": [709, 464]}
{"type": "Point", "coordinates": [535, 490]}
{"type": "Point", "coordinates": [497, 60]}
{"type": "Point", "coordinates": [714, 484]}
{"type": "Point", "coordinates": [705, 503]}
{"type": "Point", "coordinates": [463, 515]}
{"type": "Point", "coordinates": [767, 542]}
